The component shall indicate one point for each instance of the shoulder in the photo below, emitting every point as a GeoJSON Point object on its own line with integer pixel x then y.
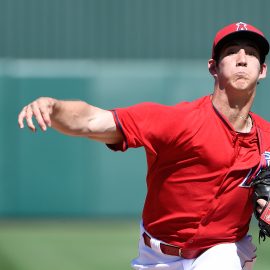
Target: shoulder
{"type": "Point", "coordinates": [170, 114]}
{"type": "Point", "coordinates": [263, 128]}
{"type": "Point", "coordinates": [199, 103]}
{"type": "Point", "coordinates": [261, 123]}
{"type": "Point", "coordinates": [183, 105]}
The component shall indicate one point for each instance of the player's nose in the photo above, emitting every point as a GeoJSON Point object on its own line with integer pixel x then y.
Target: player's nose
{"type": "Point", "coordinates": [241, 59]}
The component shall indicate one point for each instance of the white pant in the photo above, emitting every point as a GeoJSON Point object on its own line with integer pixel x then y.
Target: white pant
{"type": "Point", "coordinates": [231, 256]}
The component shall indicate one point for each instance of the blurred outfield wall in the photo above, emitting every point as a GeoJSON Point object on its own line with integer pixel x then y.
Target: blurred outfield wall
{"type": "Point", "coordinates": [120, 29]}
{"type": "Point", "coordinates": [52, 175]}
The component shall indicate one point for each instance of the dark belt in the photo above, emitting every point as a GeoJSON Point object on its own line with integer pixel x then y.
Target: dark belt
{"type": "Point", "coordinates": [174, 250]}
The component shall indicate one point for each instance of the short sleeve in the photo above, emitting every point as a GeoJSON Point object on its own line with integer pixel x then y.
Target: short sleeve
{"type": "Point", "coordinates": [144, 124]}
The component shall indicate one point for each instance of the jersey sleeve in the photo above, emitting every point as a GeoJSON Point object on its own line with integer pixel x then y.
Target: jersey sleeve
{"type": "Point", "coordinates": [145, 124]}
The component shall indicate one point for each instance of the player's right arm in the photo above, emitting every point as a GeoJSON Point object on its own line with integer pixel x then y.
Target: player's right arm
{"type": "Point", "coordinates": [74, 118]}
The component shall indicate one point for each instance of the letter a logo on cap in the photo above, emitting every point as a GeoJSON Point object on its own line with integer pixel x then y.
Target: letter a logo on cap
{"type": "Point", "coordinates": [241, 26]}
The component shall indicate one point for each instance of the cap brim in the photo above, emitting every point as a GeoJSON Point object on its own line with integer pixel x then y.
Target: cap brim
{"type": "Point", "coordinates": [261, 41]}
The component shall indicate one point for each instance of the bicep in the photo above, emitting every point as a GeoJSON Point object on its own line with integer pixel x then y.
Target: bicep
{"type": "Point", "coordinates": [102, 127]}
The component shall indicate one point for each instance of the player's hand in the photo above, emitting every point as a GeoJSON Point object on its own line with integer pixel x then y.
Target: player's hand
{"type": "Point", "coordinates": [261, 203]}
{"type": "Point", "coordinates": [40, 109]}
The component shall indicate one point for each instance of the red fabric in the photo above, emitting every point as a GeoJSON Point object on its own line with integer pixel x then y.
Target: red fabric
{"type": "Point", "coordinates": [198, 190]}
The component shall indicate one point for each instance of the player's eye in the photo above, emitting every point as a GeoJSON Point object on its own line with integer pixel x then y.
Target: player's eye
{"type": "Point", "coordinates": [231, 51]}
{"type": "Point", "coordinates": [252, 53]}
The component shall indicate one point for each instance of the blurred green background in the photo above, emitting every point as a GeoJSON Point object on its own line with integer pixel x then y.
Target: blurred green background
{"type": "Point", "coordinates": [69, 203]}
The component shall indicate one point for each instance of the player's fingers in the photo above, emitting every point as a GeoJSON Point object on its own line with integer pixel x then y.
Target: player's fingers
{"type": "Point", "coordinates": [39, 116]}
{"type": "Point", "coordinates": [21, 117]}
{"type": "Point", "coordinates": [46, 116]}
{"type": "Point", "coordinates": [28, 117]}
{"type": "Point", "coordinates": [261, 203]}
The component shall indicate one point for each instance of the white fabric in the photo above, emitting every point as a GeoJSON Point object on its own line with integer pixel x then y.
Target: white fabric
{"type": "Point", "coordinates": [155, 244]}
{"type": "Point", "coordinates": [230, 256]}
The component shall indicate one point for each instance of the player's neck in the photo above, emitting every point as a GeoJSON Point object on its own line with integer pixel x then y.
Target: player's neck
{"type": "Point", "coordinates": [235, 108]}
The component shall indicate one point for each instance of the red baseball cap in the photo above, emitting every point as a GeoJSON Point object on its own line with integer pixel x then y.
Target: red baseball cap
{"type": "Point", "coordinates": [238, 30]}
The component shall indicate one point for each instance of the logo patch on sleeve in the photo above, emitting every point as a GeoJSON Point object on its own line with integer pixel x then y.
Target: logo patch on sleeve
{"type": "Point", "coordinates": [265, 162]}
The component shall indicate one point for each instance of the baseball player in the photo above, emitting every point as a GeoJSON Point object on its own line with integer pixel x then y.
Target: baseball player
{"type": "Point", "coordinates": [201, 156]}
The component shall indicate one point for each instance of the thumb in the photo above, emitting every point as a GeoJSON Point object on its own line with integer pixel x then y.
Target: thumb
{"type": "Point", "coordinates": [261, 203]}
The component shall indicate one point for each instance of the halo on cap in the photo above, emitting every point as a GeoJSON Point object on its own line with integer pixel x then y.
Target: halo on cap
{"type": "Point", "coordinates": [240, 30]}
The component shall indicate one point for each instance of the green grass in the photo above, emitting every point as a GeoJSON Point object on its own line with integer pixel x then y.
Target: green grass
{"type": "Point", "coordinates": [95, 245]}
{"type": "Point", "coordinates": [263, 249]}
{"type": "Point", "coordinates": [68, 245]}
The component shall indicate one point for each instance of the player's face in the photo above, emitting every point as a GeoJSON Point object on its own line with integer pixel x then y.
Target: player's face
{"type": "Point", "coordinates": [239, 65]}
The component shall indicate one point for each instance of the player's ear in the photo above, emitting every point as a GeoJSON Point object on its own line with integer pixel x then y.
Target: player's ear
{"type": "Point", "coordinates": [263, 71]}
{"type": "Point", "coordinates": [212, 67]}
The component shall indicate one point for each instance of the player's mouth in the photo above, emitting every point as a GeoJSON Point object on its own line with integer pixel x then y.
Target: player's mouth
{"type": "Point", "coordinates": [241, 75]}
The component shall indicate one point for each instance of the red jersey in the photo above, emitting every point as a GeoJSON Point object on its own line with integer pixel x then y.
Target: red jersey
{"type": "Point", "coordinates": [199, 170]}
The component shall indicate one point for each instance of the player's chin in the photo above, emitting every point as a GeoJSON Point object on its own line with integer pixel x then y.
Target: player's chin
{"type": "Point", "coordinates": [242, 85]}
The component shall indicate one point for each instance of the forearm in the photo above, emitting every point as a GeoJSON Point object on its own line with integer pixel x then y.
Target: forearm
{"type": "Point", "coordinates": [72, 117]}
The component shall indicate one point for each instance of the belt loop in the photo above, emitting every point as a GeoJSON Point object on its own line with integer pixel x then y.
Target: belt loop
{"type": "Point", "coordinates": [155, 245]}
